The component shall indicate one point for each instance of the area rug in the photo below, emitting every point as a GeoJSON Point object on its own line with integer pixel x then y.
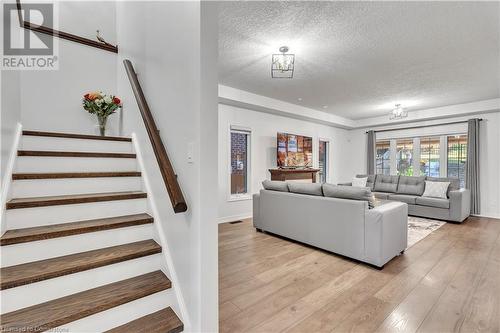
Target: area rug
{"type": "Point", "coordinates": [419, 228]}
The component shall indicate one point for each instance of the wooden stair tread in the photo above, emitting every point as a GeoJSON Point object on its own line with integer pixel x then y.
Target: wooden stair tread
{"type": "Point", "coordinates": [49, 153]}
{"type": "Point", "coordinates": [72, 199]}
{"type": "Point", "coordinates": [17, 236]}
{"type": "Point", "coordinates": [76, 136]}
{"type": "Point", "coordinates": [56, 175]}
{"type": "Point", "coordinates": [61, 311]}
{"type": "Point", "coordinates": [18, 275]}
{"type": "Point", "coordinates": [163, 321]}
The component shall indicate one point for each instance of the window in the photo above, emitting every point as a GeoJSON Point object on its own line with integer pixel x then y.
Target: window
{"type": "Point", "coordinates": [429, 156]}
{"type": "Point", "coordinates": [404, 157]}
{"type": "Point", "coordinates": [240, 158]}
{"type": "Point", "coordinates": [383, 158]}
{"type": "Point", "coordinates": [457, 157]}
{"type": "Point", "coordinates": [323, 161]}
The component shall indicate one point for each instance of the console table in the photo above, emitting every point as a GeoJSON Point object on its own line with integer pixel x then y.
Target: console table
{"type": "Point", "coordinates": [294, 174]}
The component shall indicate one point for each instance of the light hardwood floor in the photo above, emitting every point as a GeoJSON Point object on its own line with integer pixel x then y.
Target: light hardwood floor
{"type": "Point", "coordinates": [447, 282]}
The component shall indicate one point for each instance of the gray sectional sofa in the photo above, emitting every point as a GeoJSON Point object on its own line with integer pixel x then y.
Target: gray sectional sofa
{"type": "Point", "coordinates": [335, 218]}
{"type": "Point", "coordinates": [455, 208]}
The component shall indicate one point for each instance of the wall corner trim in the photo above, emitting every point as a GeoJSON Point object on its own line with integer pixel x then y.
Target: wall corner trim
{"type": "Point", "coordinates": [7, 178]}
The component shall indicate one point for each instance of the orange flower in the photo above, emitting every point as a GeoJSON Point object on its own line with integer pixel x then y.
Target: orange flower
{"type": "Point", "coordinates": [93, 95]}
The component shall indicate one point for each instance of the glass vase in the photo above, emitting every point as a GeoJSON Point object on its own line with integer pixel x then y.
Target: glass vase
{"type": "Point", "coordinates": [102, 124]}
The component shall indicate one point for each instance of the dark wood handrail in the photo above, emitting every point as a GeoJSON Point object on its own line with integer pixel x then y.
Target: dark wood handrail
{"type": "Point", "coordinates": [61, 34]}
{"type": "Point", "coordinates": [166, 169]}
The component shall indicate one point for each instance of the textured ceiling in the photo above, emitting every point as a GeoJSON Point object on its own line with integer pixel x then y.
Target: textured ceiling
{"type": "Point", "coordinates": [360, 58]}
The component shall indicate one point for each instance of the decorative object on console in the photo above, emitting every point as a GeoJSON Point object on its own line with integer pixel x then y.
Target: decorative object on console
{"type": "Point", "coordinates": [282, 64]}
{"type": "Point", "coordinates": [436, 189]}
{"type": "Point", "coordinates": [398, 113]}
{"type": "Point", "coordinates": [102, 106]}
{"type": "Point", "coordinates": [359, 182]}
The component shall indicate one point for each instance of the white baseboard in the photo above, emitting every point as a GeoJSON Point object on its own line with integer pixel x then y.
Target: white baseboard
{"type": "Point", "coordinates": [234, 218]}
{"type": "Point", "coordinates": [7, 178]}
{"type": "Point", "coordinates": [490, 216]}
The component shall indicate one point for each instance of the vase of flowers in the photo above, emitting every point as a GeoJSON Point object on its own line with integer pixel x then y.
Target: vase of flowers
{"type": "Point", "coordinates": [102, 106]}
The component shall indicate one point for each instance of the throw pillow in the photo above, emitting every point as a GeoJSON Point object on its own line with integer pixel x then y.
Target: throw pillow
{"type": "Point", "coordinates": [274, 185]}
{"type": "Point", "coordinates": [436, 189]}
{"type": "Point", "coordinates": [359, 182]}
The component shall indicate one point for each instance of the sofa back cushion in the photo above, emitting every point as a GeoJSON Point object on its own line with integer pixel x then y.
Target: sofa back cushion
{"type": "Point", "coordinates": [274, 185]}
{"type": "Point", "coordinates": [454, 183]}
{"type": "Point", "coordinates": [385, 183]}
{"type": "Point", "coordinates": [370, 182]}
{"type": "Point", "coordinates": [306, 188]}
{"type": "Point", "coordinates": [411, 185]}
{"type": "Point", "coordinates": [348, 192]}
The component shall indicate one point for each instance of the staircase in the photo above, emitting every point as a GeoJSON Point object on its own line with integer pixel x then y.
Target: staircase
{"type": "Point", "coordinates": [79, 253]}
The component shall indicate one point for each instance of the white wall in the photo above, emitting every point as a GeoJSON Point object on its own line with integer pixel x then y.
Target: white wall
{"type": "Point", "coordinates": [264, 128]}
{"type": "Point", "coordinates": [490, 152]}
{"type": "Point", "coordinates": [162, 39]}
{"type": "Point", "coordinates": [51, 100]}
{"type": "Point", "coordinates": [10, 116]}
{"type": "Point", "coordinates": [10, 112]}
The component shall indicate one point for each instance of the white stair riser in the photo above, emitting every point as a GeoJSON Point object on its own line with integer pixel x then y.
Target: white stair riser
{"type": "Point", "coordinates": [39, 292]}
{"type": "Point", "coordinates": [73, 164]}
{"type": "Point", "coordinates": [39, 250]}
{"type": "Point", "coordinates": [68, 186]}
{"type": "Point", "coordinates": [68, 144]}
{"type": "Point", "coordinates": [122, 314]}
{"type": "Point", "coordinates": [37, 216]}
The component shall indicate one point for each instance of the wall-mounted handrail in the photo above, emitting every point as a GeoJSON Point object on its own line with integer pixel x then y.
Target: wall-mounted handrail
{"type": "Point", "coordinates": [166, 169]}
{"type": "Point", "coordinates": [61, 34]}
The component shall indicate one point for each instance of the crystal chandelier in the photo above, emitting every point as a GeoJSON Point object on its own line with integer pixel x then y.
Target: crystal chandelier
{"type": "Point", "coordinates": [398, 112]}
{"type": "Point", "coordinates": [282, 65]}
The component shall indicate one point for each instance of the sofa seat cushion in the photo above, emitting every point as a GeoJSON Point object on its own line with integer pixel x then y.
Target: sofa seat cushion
{"type": "Point", "coordinates": [370, 182]}
{"type": "Point", "coordinates": [409, 199]}
{"type": "Point", "coordinates": [385, 183]}
{"type": "Point", "coordinates": [433, 202]}
{"type": "Point", "coordinates": [306, 188]}
{"type": "Point", "coordinates": [381, 195]}
{"type": "Point", "coordinates": [275, 185]}
{"type": "Point", "coordinates": [411, 185]}
{"type": "Point", "coordinates": [349, 192]}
